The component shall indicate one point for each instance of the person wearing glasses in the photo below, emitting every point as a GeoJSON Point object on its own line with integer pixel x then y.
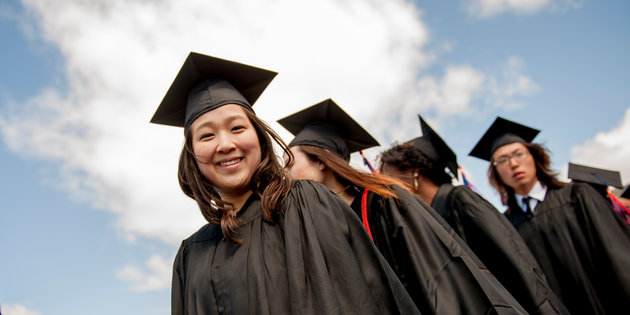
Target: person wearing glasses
{"type": "Point", "coordinates": [582, 246]}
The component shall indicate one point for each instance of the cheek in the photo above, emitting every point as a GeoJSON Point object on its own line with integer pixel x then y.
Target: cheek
{"type": "Point", "coordinates": [504, 174]}
{"type": "Point", "coordinates": [203, 152]}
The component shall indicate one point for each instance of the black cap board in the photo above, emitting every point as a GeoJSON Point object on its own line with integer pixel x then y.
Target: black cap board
{"type": "Point", "coordinates": [205, 83]}
{"type": "Point", "coordinates": [595, 176]}
{"type": "Point", "coordinates": [626, 192]}
{"type": "Point", "coordinates": [432, 145]}
{"type": "Point", "coordinates": [500, 133]}
{"type": "Point", "coordinates": [326, 125]}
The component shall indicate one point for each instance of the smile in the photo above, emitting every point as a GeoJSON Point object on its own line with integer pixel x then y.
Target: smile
{"type": "Point", "coordinates": [230, 162]}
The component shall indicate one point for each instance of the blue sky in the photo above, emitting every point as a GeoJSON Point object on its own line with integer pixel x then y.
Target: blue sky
{"type": "Point", "coordinates": [92, 215]}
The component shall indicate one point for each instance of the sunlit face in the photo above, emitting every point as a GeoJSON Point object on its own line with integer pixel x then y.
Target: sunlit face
{"type": "Point", "coordinates": [518, 169]}
{"type": "Point", "coordinates": [226, 147]}
{"type": "Point", "coordinates": [393, 171]}
{"type": "Point", "coordinates": [305, 168]}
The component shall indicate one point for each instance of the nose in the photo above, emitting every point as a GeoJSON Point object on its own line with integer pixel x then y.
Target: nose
{"type": "Point", "coordinates": [225, 143]}
{"type": "Point", "coordinates": [513, 162]}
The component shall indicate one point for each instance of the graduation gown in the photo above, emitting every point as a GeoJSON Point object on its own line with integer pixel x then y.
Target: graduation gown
{"type": "Point", "coordinates": [439, 271]}
{"type": "Point", "coordinates": [583, 247]}
{"type": "Point", "coordinates": [499, 246]}
{"type": "Point", "coordinates": [316, 259]}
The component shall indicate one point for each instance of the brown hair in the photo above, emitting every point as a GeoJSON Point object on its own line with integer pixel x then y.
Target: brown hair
{"type": "Point", "coordinates": [347, 175]}
{"type": "Point", "coordinates": [544, 173]}
{"type": "Point", "coordinates": [270, 181]}
{"type": "Point", "coordinates": [407, 157]}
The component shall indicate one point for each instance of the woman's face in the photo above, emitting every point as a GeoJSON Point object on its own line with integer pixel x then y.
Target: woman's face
{"type": "Point", "coordinates": [516, 167]}
{"type": "Point", "coordinates": [305, 168]}
{"type": "Point", "coordinates": [226, 146]}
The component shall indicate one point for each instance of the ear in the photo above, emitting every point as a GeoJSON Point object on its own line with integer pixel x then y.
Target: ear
{"type": "Point", "coordinates": [321, 166]}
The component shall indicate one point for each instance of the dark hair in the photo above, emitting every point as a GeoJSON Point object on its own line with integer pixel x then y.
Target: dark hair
{"type": "Point", "coordinates": [270, 181]}
{"type": "Point", "coordinates": [407, 157]}
{"type": "Point", "coordinates": [348, 175]}
{"type": "Point", "coordinates": [544, 173]}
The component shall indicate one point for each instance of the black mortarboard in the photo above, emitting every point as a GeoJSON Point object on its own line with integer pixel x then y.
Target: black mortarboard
{"type": "Point", "coordinates": [205, 83]}
{"type": "Point", "coordinates": [595, 176]}
{"type": "Point", "coordinates": [625, 193]}
{"type": "Point", "coordinates": [431, 145]}
{"type": "Point", "coordinates": [500, 133]}
{"type": "Point", "coordinates": [326, 125]}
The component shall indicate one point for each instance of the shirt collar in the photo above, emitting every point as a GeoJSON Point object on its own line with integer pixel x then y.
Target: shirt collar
{"type": "Point", "coordinates": [538, 192]}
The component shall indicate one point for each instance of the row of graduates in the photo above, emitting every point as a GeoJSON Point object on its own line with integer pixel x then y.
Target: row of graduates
{"type": "Point", "coordinates": [313, 235]}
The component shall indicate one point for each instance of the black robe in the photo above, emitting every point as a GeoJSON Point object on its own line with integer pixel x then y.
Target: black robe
{"type": "Point", "coordinates": [583, 247]}
{"type": "Point", "coordinates": [317, 259]}
{"type": "Point", "coordinates": [499, 246]}
{"type": "Point", "coordinates": [439, 271]}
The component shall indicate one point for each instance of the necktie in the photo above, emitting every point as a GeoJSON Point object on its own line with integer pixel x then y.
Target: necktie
{"type": "Point", "coordinates": [527, 209]}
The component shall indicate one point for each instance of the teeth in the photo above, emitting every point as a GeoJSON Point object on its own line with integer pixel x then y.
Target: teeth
{"type": "Point", "coordinates": [228, 163]}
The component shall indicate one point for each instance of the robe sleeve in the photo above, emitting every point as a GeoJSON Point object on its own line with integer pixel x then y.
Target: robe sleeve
{"type": "Point", "coordinates": [499, 246]}
{"type": "Point", "coordinates": [457, 280]}
{"type": "Point", "coordinates": [177, 284]}
{"type": "Point", "coordinates": [332, 264]}
{"type": "Point", "coordinates": [609, 237]}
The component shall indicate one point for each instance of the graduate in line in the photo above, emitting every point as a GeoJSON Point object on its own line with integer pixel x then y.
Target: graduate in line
{"type": "Point", "coordinates": [582, 246]}
{"type": "Point", "coordinates": [271, 245]}
{"type": "Point", "coordinates": [421, 163]}
{"type": "Point", "coordinates": [440, 272]}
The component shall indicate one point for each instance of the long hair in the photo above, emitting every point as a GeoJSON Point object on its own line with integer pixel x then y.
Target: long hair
{"type": "Point", "coordinates": [348, 175]}
{"type": "Point", "coordinates": [270, 181]}
{"type": "Point", "coordinates": [544, 173]}
{"type": "Point", "coordinates": [407, 157]}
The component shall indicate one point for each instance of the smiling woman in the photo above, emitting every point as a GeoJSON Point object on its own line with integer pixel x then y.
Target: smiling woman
{"type": "Point", "coordinates": [271, 245]}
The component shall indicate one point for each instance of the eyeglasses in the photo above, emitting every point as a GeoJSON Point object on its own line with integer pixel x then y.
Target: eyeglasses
{"type": "Point", "coordinates": [518, 156]}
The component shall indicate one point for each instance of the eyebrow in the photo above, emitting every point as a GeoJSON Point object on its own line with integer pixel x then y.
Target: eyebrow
{"type": "Point", "coordinates": [510, 154]}
{"type": "Point", "coordinates": [227, 120]}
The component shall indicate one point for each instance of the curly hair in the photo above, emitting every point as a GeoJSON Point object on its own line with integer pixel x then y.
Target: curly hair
{"type": "Point", "coordinates": [407, 157]}
{"type": "Point", "coordinates": [544, 173]}
{"type": "Point", "coordinates": [347, 175]}
{"type": "Point", "coordinates": [270, 181]}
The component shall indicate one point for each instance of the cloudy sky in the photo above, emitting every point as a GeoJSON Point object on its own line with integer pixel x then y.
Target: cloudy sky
{"type": "Point", "coordinates": [92, 214]}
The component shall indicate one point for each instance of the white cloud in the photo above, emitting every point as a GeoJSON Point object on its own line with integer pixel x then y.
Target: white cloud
{"type": "Point", "coordinates": [490, 8]}
{"type": "Point", "coordinates": [608, 149]}
{"type": "Point", "coordinates": [462, 90]}
{"type": "Point", "coordinates": [504, 91]}
{"type": "Point", "coordinates": [156, 276]}
{"type": "Point", "coordinates": [17, 309]}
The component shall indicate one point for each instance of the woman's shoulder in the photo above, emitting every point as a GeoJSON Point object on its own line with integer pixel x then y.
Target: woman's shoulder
{"type": "Point", "coordinates": [308, 195]}
{"type": "Point", "coordinates": [207, 232]}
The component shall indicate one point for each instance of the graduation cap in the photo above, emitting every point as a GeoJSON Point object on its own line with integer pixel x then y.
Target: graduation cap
{"type": "Point", "coordinates": [625, 193]}
{"type": "Point", "coordinates": [595, 176]}
{"type": "Point", "coordinates": [432, 145]}
{"type": "Point", "coordinates": [500, 133]}
{"type": "Point", "coordinates": [205, 83]}
{"type": "Point", "coordinates": [326, 125]}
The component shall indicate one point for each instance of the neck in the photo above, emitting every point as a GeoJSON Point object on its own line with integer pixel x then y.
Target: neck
{"type": "Point", "coordinates": [331, 181]}
{"type": "Point", "coordinates": [525, 189]}
{"type": "Point", "coordinates": [426, 189]}
{"type": "Point", "coordinates": [238, 199]}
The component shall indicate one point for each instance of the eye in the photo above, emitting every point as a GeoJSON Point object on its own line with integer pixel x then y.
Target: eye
{"type": "Point", "coordinates": [238, 127]}
{"type": "Point", "coordinates": [206, 136]}
{"type": "Point", "coordinates": [519, 154]}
